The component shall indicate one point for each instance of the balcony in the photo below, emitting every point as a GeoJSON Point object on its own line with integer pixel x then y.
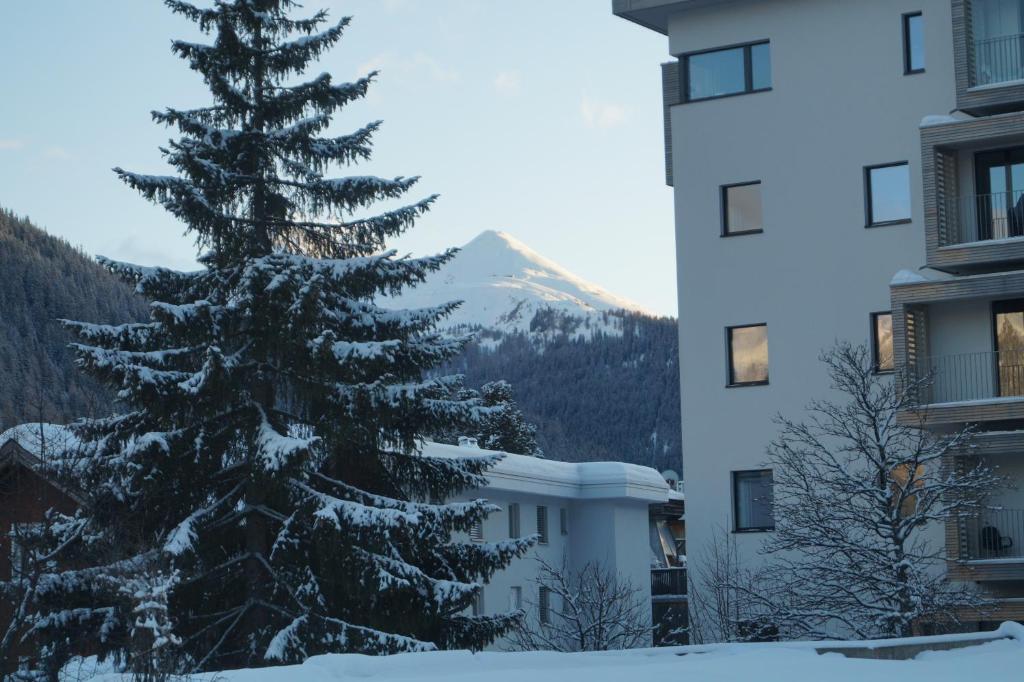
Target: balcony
{"type": "Point", "coordinates": [988, 57]}
{"type": "Point", "coordinates": [983, 217]}
{"type": "Point", "coordinates": [972, 377]}
{"type": "Point", "coordinates": [996, 535]}
{"type": "Point", "coordinates": [668, 583]}
{"type": "Point", "coordinates": [999, 59]}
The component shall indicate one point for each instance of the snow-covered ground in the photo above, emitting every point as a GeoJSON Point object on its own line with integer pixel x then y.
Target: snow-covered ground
{"type": "Point", "coordinates": [503, 283]}
{"type": "Point", "coordinates": [779, 662]}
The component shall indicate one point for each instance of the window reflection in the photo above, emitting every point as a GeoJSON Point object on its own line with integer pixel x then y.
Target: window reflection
{"type": "Point", "coordinates": [883, 342]}
{"type": "Point", "coordinates": [743, 208]}
{"type": "Point", "coordinates": [888, 194]}
{"type": "Point", "coordinates": [748, 355]}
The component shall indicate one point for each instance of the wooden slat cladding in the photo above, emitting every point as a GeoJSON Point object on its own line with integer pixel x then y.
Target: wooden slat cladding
{"type": "Point", "coordinates": [980, 100]}
{"type": "Point", "coordinates": [939, 176]}
{"type": "Point", "coordinates": [670, 95]}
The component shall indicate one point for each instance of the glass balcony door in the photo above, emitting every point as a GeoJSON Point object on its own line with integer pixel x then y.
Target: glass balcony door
{"type": "Point", "coordinates": [998, 27]}
{"type": "Point", "coordinates": [1009, 331]}
{"type": "Point", "coordinates": [999, 177]}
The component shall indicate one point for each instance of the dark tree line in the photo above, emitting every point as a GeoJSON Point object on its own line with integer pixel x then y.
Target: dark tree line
{"type": "Point", "coordinates": [606, 397]}
{"type": "Point", "coordinates": [43, 279]}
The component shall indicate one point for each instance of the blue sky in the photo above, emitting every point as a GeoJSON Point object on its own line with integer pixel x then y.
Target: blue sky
{"type": "Point", "coordinates": [538, 117]}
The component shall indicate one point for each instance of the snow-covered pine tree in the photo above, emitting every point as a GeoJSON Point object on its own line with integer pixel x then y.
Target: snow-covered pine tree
{"type": "Point", "coordinates": [504, 427]}
{"type": "Point", "coordinates": [270, 447]}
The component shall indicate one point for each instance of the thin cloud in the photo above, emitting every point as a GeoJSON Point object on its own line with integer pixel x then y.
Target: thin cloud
{"type": "Point", "coordinates": [57, 153]}
{"type": "Point", "coordinates": [418, 66]}
{"type": "Point", "coordinates": [508, 83]}
{"type": "Point", "coordinates": [600, 115]}
{"type": "Point", "coordinates": [11, 143]}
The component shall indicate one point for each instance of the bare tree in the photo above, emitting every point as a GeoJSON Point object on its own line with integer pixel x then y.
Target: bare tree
{"type": "Point", "coordinates": [584, 609]}
{"type": "Point", "coordinates": [856, 485]}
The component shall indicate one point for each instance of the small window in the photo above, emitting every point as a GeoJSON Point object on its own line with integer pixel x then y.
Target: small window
{"type": "Point", "coordinates": [478, 603]}
{"type": "Point", "coordinates": [544, 605]}
{"type": "Point", "coordinates": [728, 71]}
{"type": "Point", "coordinates": [476, 531]}
{"type": "Point", "coordinates": [913, 43]}
{"type": "Point", "coordinates": [741, 209]}
{"type": "Point", "coordinates": [515, 598]}
{"type": "Point", "coordinates": [881, 341]}
{"type": "Point", "coordinates": [887, 193]}
{"type": "Point", "coordinates": [513, 520]}
{"type": "Point", "coordinates": [542, 525]}
{"type": "Point", "coordinates": [752, 500]}
{"type": "Point", "coordinates": [563, 520]}
{"type": "Point", "coordinates": [748, 355]}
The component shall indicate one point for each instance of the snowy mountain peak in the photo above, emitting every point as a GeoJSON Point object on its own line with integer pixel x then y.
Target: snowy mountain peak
{"type": "Point", "coordinates": [503, 283]}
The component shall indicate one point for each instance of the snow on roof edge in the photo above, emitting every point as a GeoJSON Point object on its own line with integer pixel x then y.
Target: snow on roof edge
{"type": "Point", "coordinates": [584, 480]}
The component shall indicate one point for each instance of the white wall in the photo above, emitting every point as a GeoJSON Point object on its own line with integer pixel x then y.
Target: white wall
{"type": "Point", "coordinates": [612, 532]}
{"type": "Point", "coordinates": [839, 102]}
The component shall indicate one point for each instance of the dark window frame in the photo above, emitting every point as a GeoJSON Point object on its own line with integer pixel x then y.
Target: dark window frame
{"type": "Point", "coordinates": [724, 208]}
{"type": "Point", "coordinates": [875, 357]}
{"type": "Point", "coordinates": [908, 69]}
{"type": "Point", "coordinates": [868, 208]}
{"type": "Point", "coordinates": [729, 373]}
{"type": "Point", "coordinates": [544, 604]}
{"type": "Point", "coordinates": [514, 528]}
{"type": "Point", "coordinates": [748, 73]}
{"type": "Point", "coordinates": [736, 506]}
{"type": "Point", "coordinates": [563, 520]}
{"type": "Point", "coordinates": [476, 531]}
{"type": "Point", "coordinates": [543, 527]}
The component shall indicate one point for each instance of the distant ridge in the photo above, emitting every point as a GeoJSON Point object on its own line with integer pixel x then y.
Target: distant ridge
{"type": "Point", "coordinates": [45, 278]}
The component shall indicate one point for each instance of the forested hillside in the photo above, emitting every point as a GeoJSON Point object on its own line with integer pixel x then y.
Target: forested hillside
{"type": "Point", "coordinates": [43, 279]}
{"type": "Point", "coordinates": [607, 397]}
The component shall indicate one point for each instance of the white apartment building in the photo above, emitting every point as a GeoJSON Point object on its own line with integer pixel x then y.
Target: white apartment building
{"type": "Point", "coordinates": [604, 512]}
{"type": "Point", "coordinates": [845, 169]}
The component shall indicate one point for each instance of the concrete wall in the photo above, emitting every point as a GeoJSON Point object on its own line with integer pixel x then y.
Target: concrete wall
{"type": "Point", "coordinates": [839, 102]}
{"type": "Point", "coordinates": [612, 532]}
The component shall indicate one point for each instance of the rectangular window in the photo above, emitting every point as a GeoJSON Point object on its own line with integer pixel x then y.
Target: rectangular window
{"type": "Point", "coordinates": [887, 194]}
{"type": "Point", "coordinates": [741, 208]}
{"type": "Point", "coordinates": [513, 520]}
{"type": "Point", "coordinates": [727, 71]}
{"type": "Point", "coordinates": [913, 43]}
{"type": "Point", "coordinates": [881, 341]}
{"type": "Point", "coordinates": [748, 355]}
{"type": "Point", "coordinates": [515, 598]}
{"type": "Point", "coordinates": [542, 525]}
{"type": "Point", "coordinates": [476, 531]}
{"type": "Point", "coordinates": [563, 520]}
{"type": "Point", "coordinates": [544, 605]}
{"type": "Point", "coordinates": [478, 603]}
{"type": "Point", "coordinates": [752, 500]}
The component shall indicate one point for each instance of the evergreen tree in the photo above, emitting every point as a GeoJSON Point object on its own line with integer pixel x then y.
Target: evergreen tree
{"type": "Point", "coordinates": [270, 447]}
{"type": "Point", "coordinates": [504, 427]}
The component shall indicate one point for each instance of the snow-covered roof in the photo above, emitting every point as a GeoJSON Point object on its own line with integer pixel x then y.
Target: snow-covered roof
{"type": "Point", "coordinates": [39, 439]}
{"type": "Point", "coordinates": [574, 480]}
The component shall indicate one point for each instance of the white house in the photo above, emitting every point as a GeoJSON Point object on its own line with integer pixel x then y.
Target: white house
{"type": "Point", "coordinates": [583, 512]}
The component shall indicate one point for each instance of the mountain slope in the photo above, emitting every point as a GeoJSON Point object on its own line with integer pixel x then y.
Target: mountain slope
{"type": "Point", "coordinates": [596, 373]}
{"type": "Point", "coordinates": [503, 284]}
{"type": "Point", "coordinates": [45, 278]}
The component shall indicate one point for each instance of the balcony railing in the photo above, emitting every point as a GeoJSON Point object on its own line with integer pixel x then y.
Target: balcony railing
{"type": "Point", "coordinates": [668, 581]}
{"type": "Point", "coordinates": [971, 376]}
{"type": "Point", "coordinates": [982, 217]}
{"type": "Point", "coordinates": [999, 59]}
{"type": "Point", "coordinates": [996, 534]}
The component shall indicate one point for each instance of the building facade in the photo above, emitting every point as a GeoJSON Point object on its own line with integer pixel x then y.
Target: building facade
{"type": "Point", "coordinates": [614, 514]}
{"type": "Point", "coordinates": [822, 153]}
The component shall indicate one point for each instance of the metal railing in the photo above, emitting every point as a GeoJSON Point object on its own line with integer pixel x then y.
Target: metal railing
{"type": "Point", "coordinates": [971, 376]}
{"type": "Point", "coordinates": [982, 217]}
{"type": "Point", "coordinates": [668, 581]}
{"type": "Point", "coordinates": [999, 59]}
{"type": "Point", "coordinates": [996, 534]}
